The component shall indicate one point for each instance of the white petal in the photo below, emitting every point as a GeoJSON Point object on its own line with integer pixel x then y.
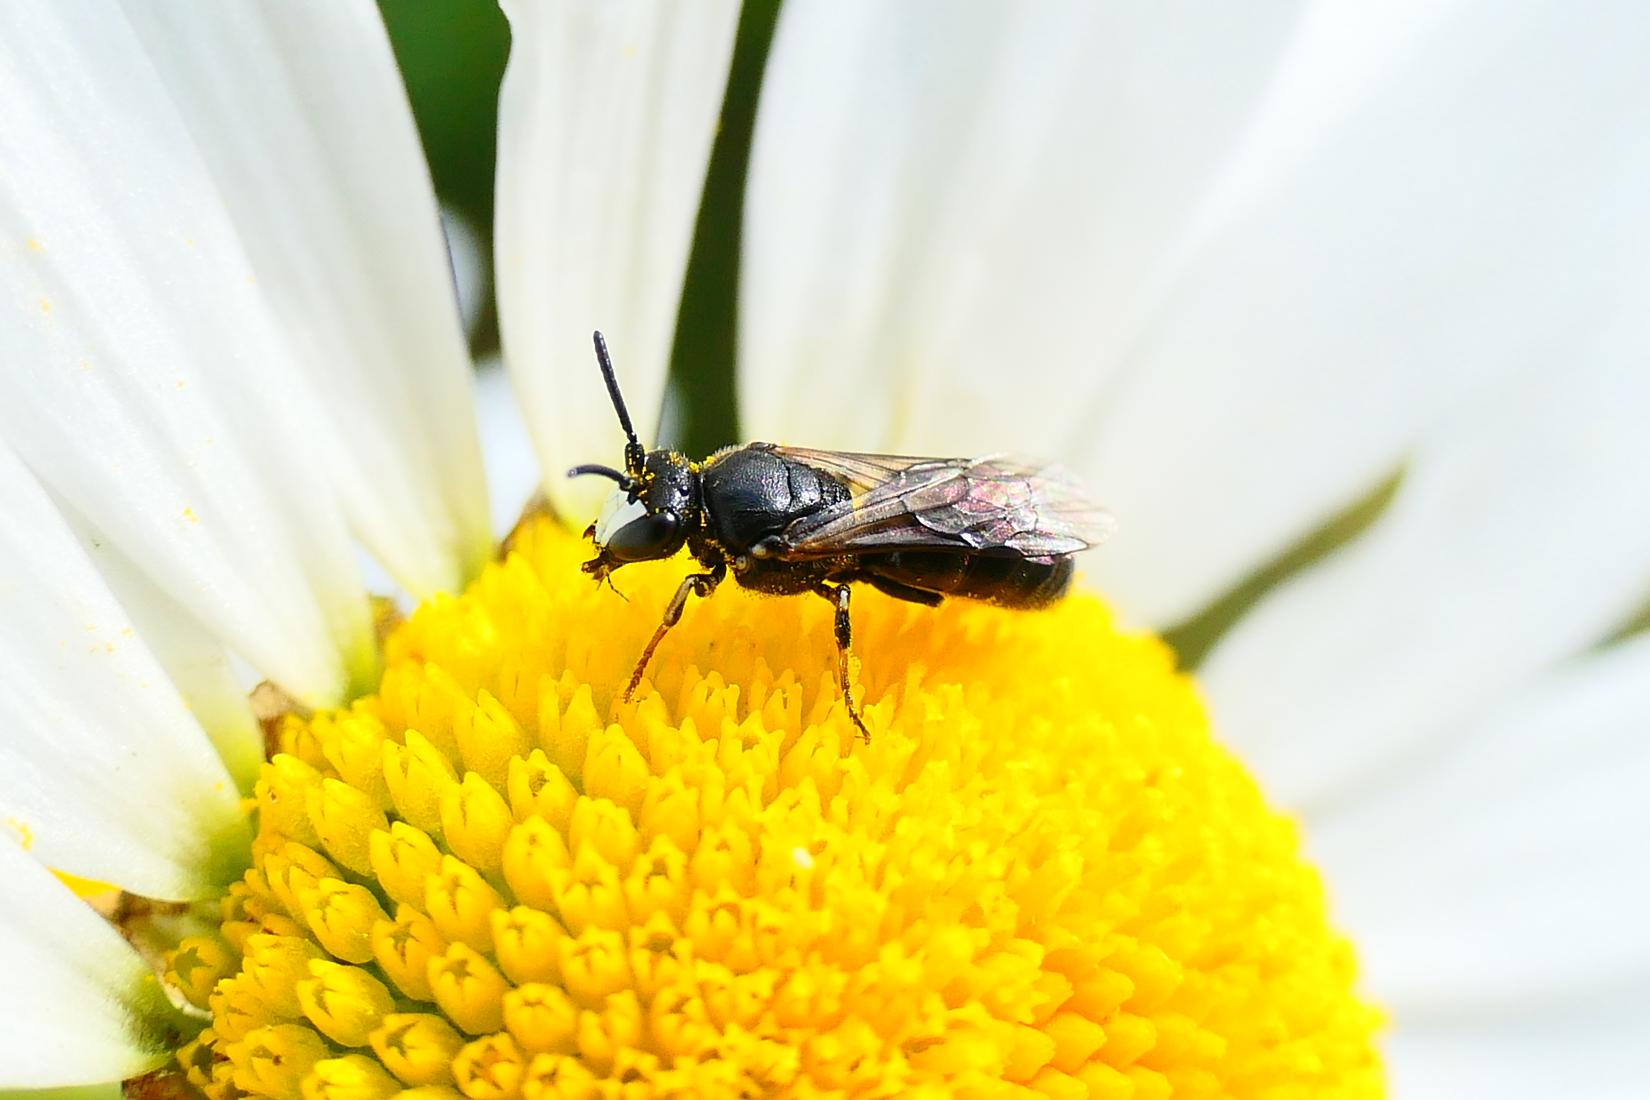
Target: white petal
{"type": "Point", "coordinates": [512, 468]}
{"type": "Point", "coordinates": [193, 660]}
{"type": "Point", "coordinates": [102, 768]}
{"type": "Point", "coordinates": [1460, 223]}
{"type": "Point", "coordinates": [1517, 539]}
{"type": "Point", "coordinates": [606, 121]}
{"type": "Point", "coordinates": [145, 380]}
{"type": "Point", "coordinates": [80, 1007]}
{"type": "Point", "coordinates": [1507, 871]}
{"type": "Point", "coordinates": [953, 209]}
{"type": "Point", "coordinates": [1600, 1051]}
{"type": "Point", "coordinates": [299, 114]}
{"type": "Point", "coordinates": [1340, 56]}
{"type": "Point", "coordinates": [472, 273]}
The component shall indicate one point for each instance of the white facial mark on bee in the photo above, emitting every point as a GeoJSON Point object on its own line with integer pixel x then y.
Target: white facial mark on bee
{"type": "Point", "coordinates": [618, 511]}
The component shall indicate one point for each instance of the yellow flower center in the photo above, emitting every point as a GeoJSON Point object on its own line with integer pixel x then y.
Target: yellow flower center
{"type": "Point", "coordinates": [492, 879]}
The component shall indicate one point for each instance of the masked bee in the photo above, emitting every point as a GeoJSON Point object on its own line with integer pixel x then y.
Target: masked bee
{"type": "Point", "coordinates": [789, 520]}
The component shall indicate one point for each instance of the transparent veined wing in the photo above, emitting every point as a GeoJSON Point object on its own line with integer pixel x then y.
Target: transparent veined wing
{"type": "Point", "coordinates": [1002, 504]}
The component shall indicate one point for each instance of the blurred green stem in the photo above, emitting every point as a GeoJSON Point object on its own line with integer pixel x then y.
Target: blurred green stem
{"type": "Point", "coordinates": [1193, 639]}
{"type": "Point", "coordinates": [704, 397]}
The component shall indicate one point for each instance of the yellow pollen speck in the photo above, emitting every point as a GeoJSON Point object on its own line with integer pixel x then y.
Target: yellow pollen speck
{"type": "Point", "coordinates": [189, 514]}
{"type": "Point", "coordinates": [491, 880]}
{"type": "Point", "coordinates": [33, 244]}
{"type": "Point", "coordinates": [45, 305]}
{"type": "Point", "coordinates": [25, 834]}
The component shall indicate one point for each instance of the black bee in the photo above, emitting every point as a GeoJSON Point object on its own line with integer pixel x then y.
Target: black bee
{"type": "Point", "coordinates": [789, 520]}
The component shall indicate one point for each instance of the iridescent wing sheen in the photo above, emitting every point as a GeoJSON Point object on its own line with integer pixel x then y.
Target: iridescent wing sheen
{"type": "Point", "coordinates": [1000, 504]}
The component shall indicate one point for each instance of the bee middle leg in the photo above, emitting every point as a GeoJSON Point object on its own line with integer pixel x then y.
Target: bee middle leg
{"type": "Point", "coordinates": [694, 584]}
{"type": "Point", "coordinates": [839, 595]}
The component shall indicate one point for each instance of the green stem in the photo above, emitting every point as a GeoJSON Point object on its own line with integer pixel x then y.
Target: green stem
{"type": "Point", "coordinates": [704, 393]}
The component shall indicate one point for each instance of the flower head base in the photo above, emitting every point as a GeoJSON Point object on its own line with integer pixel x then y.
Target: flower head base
{"type": "Point", "coordinates": [1041, 871]}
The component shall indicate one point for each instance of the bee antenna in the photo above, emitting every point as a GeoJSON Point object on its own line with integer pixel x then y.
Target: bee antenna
{"type": "Point", "coordinates": [624, 480]}
{"type": "Point", "coordinates": [633, 453]}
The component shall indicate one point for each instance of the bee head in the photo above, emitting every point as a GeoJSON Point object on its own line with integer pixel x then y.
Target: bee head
{"type": "Point", "coordinates": [657, 500]}
{"type": "Point", "coordinates": [649, 514]}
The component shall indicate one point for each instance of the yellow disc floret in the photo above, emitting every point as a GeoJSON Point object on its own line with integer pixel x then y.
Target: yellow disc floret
{"type": "Point", "coordinates": [493, 879]}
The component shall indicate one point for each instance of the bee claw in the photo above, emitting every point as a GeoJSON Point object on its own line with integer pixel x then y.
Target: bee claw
{"type": "Point", "coordinates": [859, 722]}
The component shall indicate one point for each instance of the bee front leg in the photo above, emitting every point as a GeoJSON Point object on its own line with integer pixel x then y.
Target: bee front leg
{"type": "Point", "coordinates": [838, 595]}
{"type": "Point", "coordinates": [694, 584]}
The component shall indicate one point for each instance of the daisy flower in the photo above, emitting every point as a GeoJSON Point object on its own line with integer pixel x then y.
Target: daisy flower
{"type": "Point", "coordinates": [1248, 272]}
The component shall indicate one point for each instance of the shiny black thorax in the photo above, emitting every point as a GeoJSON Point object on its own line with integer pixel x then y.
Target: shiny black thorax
{"type": "Point", "coordinates": [748, 497]}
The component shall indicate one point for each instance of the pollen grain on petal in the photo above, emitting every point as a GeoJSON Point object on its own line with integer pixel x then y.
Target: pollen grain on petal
{"type": "Point", "coordinates": [492, 879]}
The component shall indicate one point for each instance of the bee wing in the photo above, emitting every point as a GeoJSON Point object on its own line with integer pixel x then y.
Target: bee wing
{"type": "Point", "coordinates": [1001, 504]}
{"type": "Point", "coordinates": [861, 472]}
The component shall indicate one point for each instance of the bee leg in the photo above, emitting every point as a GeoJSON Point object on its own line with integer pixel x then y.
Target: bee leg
{"type": "Point", "coordinates": [903, 591]}
{"type": "Point", "coordinates": [838, 594]}
{"type": "Point", "coordinates": [694, 584]}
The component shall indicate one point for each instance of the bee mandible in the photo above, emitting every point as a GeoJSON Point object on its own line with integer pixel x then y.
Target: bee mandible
{"type": "Point", "coordinates": [791, 520]}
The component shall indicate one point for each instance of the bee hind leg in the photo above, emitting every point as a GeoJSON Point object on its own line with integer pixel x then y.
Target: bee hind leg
{"type": "Point", "coordinates": [694, 584]}
{"type": "Point", "coordinates": [905, 592]}
{"type": "Point", "coordinates": [839, 595]}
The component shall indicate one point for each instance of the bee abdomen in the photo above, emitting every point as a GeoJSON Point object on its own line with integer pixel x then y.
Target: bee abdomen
{"type": "Point", "coordinates": [1004, 579]}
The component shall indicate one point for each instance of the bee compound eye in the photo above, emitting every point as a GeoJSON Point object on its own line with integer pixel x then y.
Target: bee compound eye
{"type": "Point", "coordinates": [654, 535]}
